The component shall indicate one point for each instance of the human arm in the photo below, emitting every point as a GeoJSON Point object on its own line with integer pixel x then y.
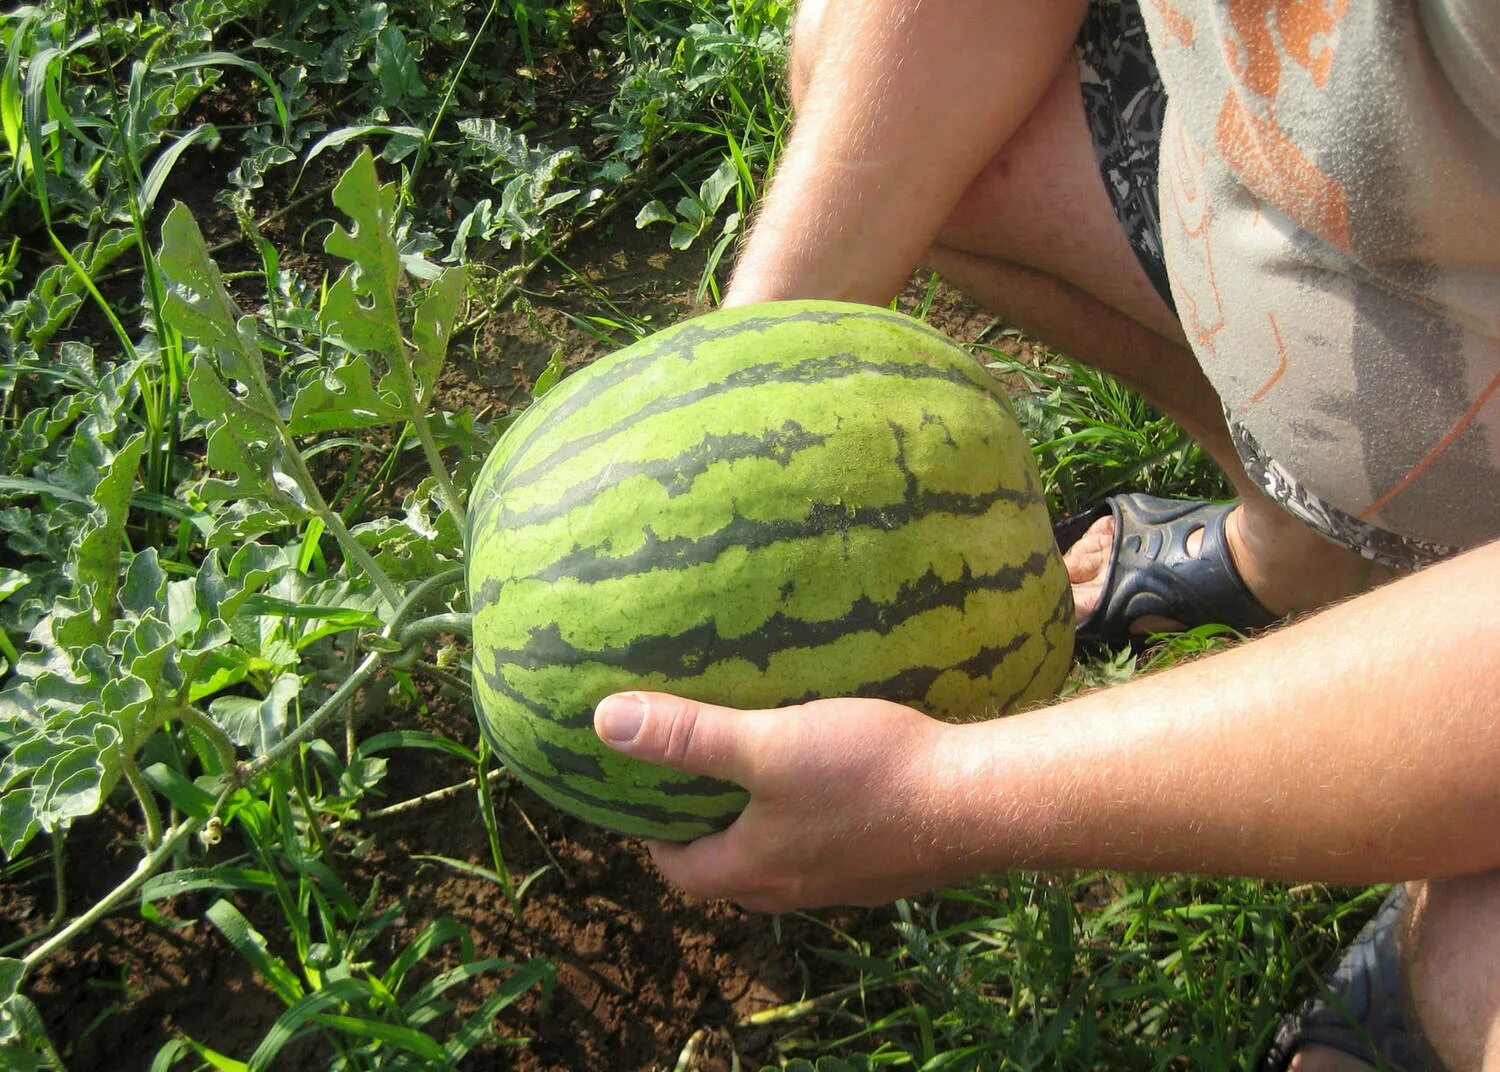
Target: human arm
{"type": "Point", "coordinates": [905, 101]}
{"type": "Point", "coordinates": [1361, 744]}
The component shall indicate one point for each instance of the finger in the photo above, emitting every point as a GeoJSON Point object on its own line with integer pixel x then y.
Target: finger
{"type": "Point", "coordinates": [707, 869]}
{"type": "Point", "coordinates": [685, 735]}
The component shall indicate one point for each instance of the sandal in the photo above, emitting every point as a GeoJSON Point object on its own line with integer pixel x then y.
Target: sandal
{"type": "Point", "coordinates": [1151, 573]}
{"type": "Point", "coordinates": [1361, 1007]}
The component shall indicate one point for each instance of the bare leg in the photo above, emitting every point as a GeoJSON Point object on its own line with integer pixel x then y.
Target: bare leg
{"type": "Point", "coordinates": [1035, 239]}
{"type": "Point", "coordinates": [1449, 946]}
{"type": "Point", "coordinates": [1453, 966]}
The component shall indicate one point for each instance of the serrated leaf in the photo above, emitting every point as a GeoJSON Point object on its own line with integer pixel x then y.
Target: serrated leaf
{"type": "Point", "coordinates": [432, 327]}
{"type": "Point", "coordinates": [197, 304]}
{"type": "Point", "coordinates": [144, 586]}
{"type": "Point", "coordinates": [72, 784]}
{"type": "Point", "coordinates": [12, 581]}
{"type": "Point", "coordinates": [96, 566]}
{"type": "Point", "coordinates": [361, 305]}
{"type": "Point", "coordinates": [400, 135]}
{"type": "Point", "coordinates": [492, 137]}
{"type": "Point", "coordinates": [238, 717]}
{"type": "Point", "coordinates": [340, 397]}
{"type": "Point", "coordinates": [126, 698]}
{"type": "Point", "coordinates": [243, 520]}
{"type": "Point", "coordinates": [220, 669]}
{"type": "Point", "coordinates": [654, 211]}
{"type": "Point", "coordinates": [21, 1025]}
{"type": "Point", "coordinates": [420, 543]}
{"type": "Point", "coordinates": [18, 822]}
{"type": "Point", "coordinates": [12, 971]}
{"type": "Point", "coordinates": [272, 712]}
{"type": "Point", "coordinates": [479, 224]}
{"type": "Point", "coordinates": [717, 187]}
{"type": "Point", "coordinates": [395, 66]}
{"type": "Point", "coordinates": [244, 442]}
{"type": "Point", "coordinates": [149, 653]}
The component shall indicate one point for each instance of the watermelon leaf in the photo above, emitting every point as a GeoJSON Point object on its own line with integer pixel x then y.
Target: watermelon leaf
{"type": "Point", "coordinates": [363, 311]}
{"type": "Point", "coordinates": [361, 308]}
{"type": "Point", "coordinates": [432, 327]}
{"type": "Point", "coordinates": [95, 569]}
{"type": "Point", "coordinates": [343, 396]}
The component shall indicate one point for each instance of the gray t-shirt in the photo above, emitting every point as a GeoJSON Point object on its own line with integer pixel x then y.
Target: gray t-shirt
{"type": "Point", "coordinates": [1330, 208]}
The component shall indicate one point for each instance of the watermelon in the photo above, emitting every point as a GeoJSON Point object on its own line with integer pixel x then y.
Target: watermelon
{"type": "Point", "coordinates": [756, 507]}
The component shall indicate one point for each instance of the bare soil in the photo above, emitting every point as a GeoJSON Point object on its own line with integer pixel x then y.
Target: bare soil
{"type": "Point", "coordinates": [640, 969]}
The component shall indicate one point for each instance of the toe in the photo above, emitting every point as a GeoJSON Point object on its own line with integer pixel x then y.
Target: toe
{"type": "Point", "coordinates": [1087, 562]}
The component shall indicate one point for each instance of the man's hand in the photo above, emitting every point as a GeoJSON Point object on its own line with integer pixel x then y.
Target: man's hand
{"type": "Point", "coordinates": [846, 797]}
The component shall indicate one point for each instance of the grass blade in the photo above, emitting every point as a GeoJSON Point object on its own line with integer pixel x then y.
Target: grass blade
{"type": "Point", "coordinates": [250, 944]}
{"type": "Point", "coordinates": [156, 178]}
{"type": "Point", "coordinates": [407, 1039]}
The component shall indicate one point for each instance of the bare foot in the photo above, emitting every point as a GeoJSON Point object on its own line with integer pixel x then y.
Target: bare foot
{"type": "Point", "coordinates": [1088, 565]}
{"type": "Point", "coordinates": [1288, 566]}
{"type": "Point", "coordinates": [1325, 1059]}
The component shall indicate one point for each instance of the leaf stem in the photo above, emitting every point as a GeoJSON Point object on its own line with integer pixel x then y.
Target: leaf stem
{"type": "Point", "coordinates": [223, 747]}
{"type": "Point", "coordinates": [143, 870]}
{"type": "Point", "coordinates": [429, 798]}
{"type": "Point", "coordinates": [355, 681]}
{"type": "Point", "coordinates": [142, 794]}
{"type": "Point", "coordinates": [335, 523]}
{"type": "Point", "coordinates": [459, 622]}
{"type": "Point", "coordinates": [430, 450]}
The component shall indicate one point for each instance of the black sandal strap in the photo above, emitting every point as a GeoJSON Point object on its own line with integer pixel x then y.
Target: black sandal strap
{"type": "Point", "coordinates": [1152, 573]}
{"type": "Point", "coordinates": [1361, 1009]}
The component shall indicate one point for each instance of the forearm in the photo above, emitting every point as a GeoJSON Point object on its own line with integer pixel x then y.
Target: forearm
{"type": "Point", "coordinates": [906, 102]}
{"type": "Point", "coordinates": [1362, 744]}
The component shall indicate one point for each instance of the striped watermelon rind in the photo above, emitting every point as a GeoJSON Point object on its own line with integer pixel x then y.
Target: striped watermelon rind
{"type": "Point", "coordinates": [755, 508]}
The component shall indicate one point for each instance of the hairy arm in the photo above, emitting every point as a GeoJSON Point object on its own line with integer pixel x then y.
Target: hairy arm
{"type": "Point", "coordinates": [905, 102]}
{"type": "Point", "coordinates": [1358, 745]}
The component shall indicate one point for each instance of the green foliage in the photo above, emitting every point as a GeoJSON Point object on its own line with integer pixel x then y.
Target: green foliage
{"type": "Point", "coordinates": [1032, 971]}
{"type": "Point", "coordinates": [380, 1010]}
{"type": "Point", "coordinates": [1093, 436]}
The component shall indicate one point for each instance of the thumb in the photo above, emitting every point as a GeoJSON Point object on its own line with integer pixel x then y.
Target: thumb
{"type": "Point", "coordinates": [686, 735]}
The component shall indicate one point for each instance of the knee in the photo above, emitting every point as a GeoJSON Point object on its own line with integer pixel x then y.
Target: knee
{"type": "Point", "coordinates": [1451, 958]}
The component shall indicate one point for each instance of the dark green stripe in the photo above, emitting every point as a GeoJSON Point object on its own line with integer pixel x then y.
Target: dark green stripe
{"type": "Point", "coordinates": [912, 684]}
{"type": "Point", "coordinates": [563, 795]}
{"type": "Point", "coordinates": [587, 566]}
{"type": "Point", "coordinates": [820, 369]}
{"type": "Point", "coordinates": [676, 474]}
{"type": "Point", "coordinates": [691, 652]}
{"type": "Point", "coordinates": [1061, 616]}
{"type": "Point", "coordinates": [682, 342]}
{"type": "Point", "coordinates": [580, 764]}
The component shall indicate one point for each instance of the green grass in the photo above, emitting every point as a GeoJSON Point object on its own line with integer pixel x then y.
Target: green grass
{"type": "Point", "coordinates": [194, 626]}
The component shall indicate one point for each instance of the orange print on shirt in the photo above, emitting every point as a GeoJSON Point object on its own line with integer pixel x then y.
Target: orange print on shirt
{"type": "Point", "coordinates": [1265, 34]}
{"type": "Point", "coordinates": [1276, 373]}
{"type": "Point", "coordinates": [1199, 305]}
{"type": "Point", "coordinates": [1178, 24]}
